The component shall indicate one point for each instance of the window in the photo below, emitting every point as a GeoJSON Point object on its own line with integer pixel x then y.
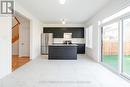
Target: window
{"type": "Point", "coordinates": [115, 38]}
{"type": "Point", "coordinates": [89, 37]}
{"type": "Point", "coordinates": [110, 45]}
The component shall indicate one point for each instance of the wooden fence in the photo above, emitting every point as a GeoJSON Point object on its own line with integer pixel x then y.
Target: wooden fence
{"type": "Point", "coordinates": [111, 48]}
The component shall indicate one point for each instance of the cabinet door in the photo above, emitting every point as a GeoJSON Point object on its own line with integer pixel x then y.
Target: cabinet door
{"type": "Point", "coordinates": [81, 49]}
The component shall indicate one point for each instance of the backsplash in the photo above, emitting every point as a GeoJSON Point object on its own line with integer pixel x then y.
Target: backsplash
{"type": "Point", "coordinates": [74, 40]}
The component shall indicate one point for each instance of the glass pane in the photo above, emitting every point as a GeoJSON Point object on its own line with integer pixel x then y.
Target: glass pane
{"type": "Point", "coordinates": [126, 46]}
{"type": "Point", "coordinates": [110, 45]}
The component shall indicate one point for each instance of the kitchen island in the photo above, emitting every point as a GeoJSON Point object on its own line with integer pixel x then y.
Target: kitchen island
{"type": "Point", "coordinates": [62, 52]}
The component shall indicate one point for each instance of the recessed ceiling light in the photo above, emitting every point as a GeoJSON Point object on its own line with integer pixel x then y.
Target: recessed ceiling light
{"type": "Point", "coordinates": [62, 1]}
{"type": "Point", "coordinates": [63, 21]}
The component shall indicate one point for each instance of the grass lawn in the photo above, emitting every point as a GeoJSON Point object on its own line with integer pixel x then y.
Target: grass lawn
{"type": "Point", "coordinates": [113, 61]}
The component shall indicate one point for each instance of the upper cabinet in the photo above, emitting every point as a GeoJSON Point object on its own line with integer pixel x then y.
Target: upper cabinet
{"type": "Point", "coordinates": [58, 32]}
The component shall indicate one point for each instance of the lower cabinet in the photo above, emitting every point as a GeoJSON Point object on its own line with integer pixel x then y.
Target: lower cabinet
{"type": "Point", "coordinates": [81, 49]}
{"type": "Point", "coordinates": [62, 53]}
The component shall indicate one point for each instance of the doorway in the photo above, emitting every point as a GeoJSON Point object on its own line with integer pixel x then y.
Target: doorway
{"type": "Point", "coordinates": [126, 47]}
{"type": "Point", "coordinates": [110, 44]}
{"type": "Point", "coordinates": [20, 40]}
{"type": "Point", "coordinates": [115, 48]}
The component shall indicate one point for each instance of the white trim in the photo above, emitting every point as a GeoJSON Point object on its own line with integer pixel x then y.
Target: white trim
{"type": "Point", "coordinates": [89, 36]}
{"type": "Point", "coordinates": [122, 55]}
{"type": "Point", "coordinates": [120, 62]}
{"type": "Point", "coordinates": [120, 46]}
{"type": "Point", "coordinates": [118, 14]}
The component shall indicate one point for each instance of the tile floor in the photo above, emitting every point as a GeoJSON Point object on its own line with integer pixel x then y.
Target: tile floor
{"type": "Point", "coordinates": [63, 73]}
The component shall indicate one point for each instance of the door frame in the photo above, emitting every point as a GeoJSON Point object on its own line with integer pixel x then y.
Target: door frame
{"type": "Point", "coordinates": [120, 46]}
{"type": "Point", "coordinates": [109, 23]}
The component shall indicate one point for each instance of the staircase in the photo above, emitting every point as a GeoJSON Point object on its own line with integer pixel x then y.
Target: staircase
{"type": "Point", "coordinates": [15, 37]}
{"type": "Point", "coordinates": [15, 30]}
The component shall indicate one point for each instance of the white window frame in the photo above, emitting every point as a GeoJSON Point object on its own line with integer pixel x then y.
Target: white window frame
{"type": "Point", "coordinates": [89, 36]}
{"type": "Point", "coordinates": [120, 20]}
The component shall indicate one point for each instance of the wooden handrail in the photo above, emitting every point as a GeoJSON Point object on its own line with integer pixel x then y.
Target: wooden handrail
{"type": "Point", "coordinates": [15, 30]}
{"type": "Point", "coordinates": [15, 26]}
{"type": "Point", "coordinates": [17, 22]}
{"type": "Point", "coordinates": [15, 33]}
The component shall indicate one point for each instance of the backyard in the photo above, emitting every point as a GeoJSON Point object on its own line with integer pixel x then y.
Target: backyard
{"type": "Point", "coordinates": [112, 60]}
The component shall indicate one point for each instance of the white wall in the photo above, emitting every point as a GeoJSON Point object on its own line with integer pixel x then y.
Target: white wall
{"type": "Point", "coordinates": [113, 7]}
{"type": "Point", "coordinates": [35, 39]}
{"type": "Point", "coordinates": [35, 31]}
{"type": "Point", "coordinates": [5, 45]}
{"type": "Point", "coordinates": [6, 37]}
{"type": "Point", "coordinates": [63, 25]}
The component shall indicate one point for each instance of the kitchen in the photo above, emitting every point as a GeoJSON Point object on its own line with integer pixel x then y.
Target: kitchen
{"type": "Point", "coordinates": [63, 43]}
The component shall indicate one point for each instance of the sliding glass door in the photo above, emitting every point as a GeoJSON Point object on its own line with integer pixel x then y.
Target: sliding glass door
{"type": "Point", "coordinates": [126, 46]}
{"type": "Point", "coordinates": [110, 44]}
{"type": "Point", "coordinates": [116, 46]}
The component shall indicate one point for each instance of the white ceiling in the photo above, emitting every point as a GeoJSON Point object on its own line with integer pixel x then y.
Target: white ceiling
{"type": "Point", "coordinates": [74, 11]}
